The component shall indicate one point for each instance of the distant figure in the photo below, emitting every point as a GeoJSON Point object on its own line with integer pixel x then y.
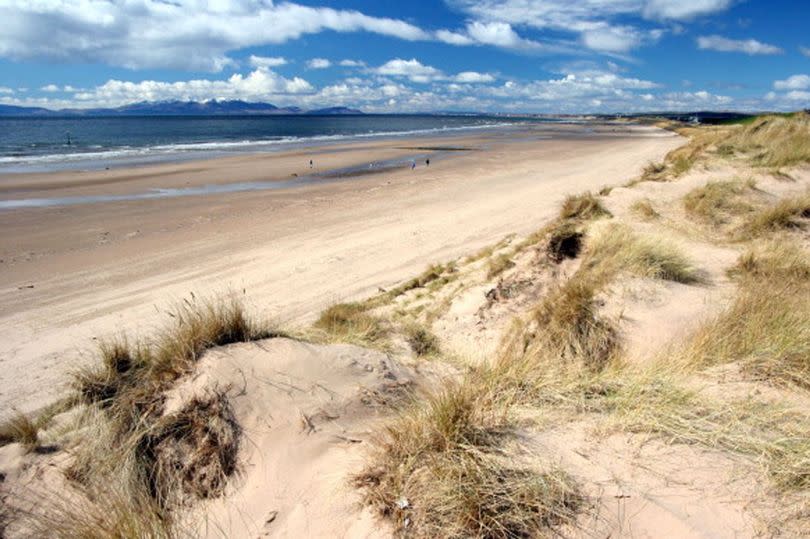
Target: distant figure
{"type": "Point", "coordinates": [427, 162]}
{"type": "Point", "coordinates": [413, 165]}
{"type": "Point", "coordinates": [310, 163]}
{"type": "Point", "coordinates": [68, 138]}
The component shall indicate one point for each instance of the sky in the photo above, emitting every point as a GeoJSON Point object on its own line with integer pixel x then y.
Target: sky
{"type": "Point", "coordinates": [535, 56]}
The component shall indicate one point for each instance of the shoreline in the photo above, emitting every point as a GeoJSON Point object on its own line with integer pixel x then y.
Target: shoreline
{"type": "Point", "coordinates": [75, 274]}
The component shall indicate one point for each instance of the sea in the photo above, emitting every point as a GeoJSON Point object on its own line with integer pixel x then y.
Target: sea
{"type": "Point", "coordinates": [87, 143]}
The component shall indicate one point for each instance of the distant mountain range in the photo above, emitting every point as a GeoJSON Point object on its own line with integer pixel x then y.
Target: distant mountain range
{"type": "Point", "coordinates": [177, 108]}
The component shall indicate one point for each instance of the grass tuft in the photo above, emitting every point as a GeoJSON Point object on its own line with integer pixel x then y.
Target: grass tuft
{"type": "Point", "coordinates": [421, 340]}
{"type": "Point", "coordinates": [20, 429]}
{"type": "Point", "coordinates": [499, 264]}
{"type": "Point", "coordinates": [583, 207]}
{"type": "Point", "coordinates": [787, 214]}
{"type": "Point", "coordinates": [616, 247]}
{"type": "Point", "coordinates": [439, 471]}
{"type": "Point", "coordinates": [644, 209]}
{"type": "Point", "coordinates": [717, 200]}
{"type": "Point", "coordinates": [778, 261]}
{"type": "Point", "coordinates": [351, 322]}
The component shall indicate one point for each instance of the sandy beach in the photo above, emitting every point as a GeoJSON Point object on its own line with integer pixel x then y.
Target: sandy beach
{"type": "Point", "coordinates": [74, 274]}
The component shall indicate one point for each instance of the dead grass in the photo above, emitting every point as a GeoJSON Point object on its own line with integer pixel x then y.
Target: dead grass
{"type": "Point", "coordinates": [499, 264]}
{"type": "Point", "coordinates": [20, 429]}
{"type": "Point", "coordinates": [351, 322]}
{"type": "Point", "coordinates": [421, 340]}
{"type": "Point", "coordinates": [583, 207]}
{"type": "Point", "coordinates": [716, 201]}
{"type": "Point", "coordinates": [644, 209]}
{"type": "Point", "coordinates": [775, 141]}
{"type": "Point", "coordinates": [780, 260]}
{"type": "Point", "coordinates": [440, 470]}
{"type": "Point", "coordinates": [615, 247]}
{"type": "Point", "coordinates": [655, 402]}
{"type": "Point", "coordinates": [766, 329]}
{"type": "Point", "coordinates": [789, 213]}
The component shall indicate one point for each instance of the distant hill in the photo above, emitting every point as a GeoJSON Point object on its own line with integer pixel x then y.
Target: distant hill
{"type": "Point", "coordinates": [176, 108]}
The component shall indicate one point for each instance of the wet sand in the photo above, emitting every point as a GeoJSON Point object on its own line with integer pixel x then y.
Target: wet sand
{"type": "Point", "coordinates": [70, 275]}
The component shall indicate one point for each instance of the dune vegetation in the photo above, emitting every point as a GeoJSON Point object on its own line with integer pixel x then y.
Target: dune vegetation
{"type": "Point", "coordinates": [469, 451]}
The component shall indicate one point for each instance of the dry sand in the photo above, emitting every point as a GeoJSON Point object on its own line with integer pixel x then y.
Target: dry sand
{"type": "Point", "coordinates": [73, 274]}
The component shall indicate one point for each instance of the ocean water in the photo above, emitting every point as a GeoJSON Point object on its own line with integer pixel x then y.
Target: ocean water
{"type": "Point", "coordinates": [42, 144]}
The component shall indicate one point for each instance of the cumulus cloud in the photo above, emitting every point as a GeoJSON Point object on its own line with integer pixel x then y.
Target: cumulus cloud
{"type": "Point", "coordinates": [319, 63]}
{"type": "Point", "coordinates": [182, 34]}
{"type": "Point", "coordinates": [259, 85]}
{"type": "Point", "coordinates": [50, 88]}
{"type": "Point", "coordinates": [416, 71]}
{"type": "Point", "coordinates": [413, 69]}
{"type": "Point", "coordinates": [352, 63]}
{"type": "Point", "coordinates": [796, 82]}
{"type": "Point", "coordinates": [5, 90]}
{"type": "Point", "coordinates": [747, 46]}
{"type": "Point", "coordinates": [267, 61]}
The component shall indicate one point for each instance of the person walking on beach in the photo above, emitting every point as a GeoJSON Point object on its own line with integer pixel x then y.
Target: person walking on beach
{"type": "Point", "coordinates": [427, 162]}
{"type": "Point", "coordinates": [413, 165]}
{"type": "Point", "coordinates": [310, 163]}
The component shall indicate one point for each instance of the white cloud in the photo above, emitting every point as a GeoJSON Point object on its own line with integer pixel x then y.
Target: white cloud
{"type": "Point", "coordinates": [259, 85]}
{"type": "Point", "coordinates": [413, 69]}
{"type": "Point", "coordinates": [683, 9]}
{"type": "Point", "coordinates": [352, 63]}
{"type": "Point", "coordinates": [267, 61]}
{"type": "Point", "coordinates": [796, 82]}
{"type": "Point", "coordinates": [182, 34]}
{"type": "Point", "coordinates": [600, 25]}
{"type": "Point", "coordinates": [319, 63]}
{"type": "Point", "coordinates": [5, 90]}
{"type": "Point", "coordinates": [473, 77]}
{"type": "Point", "coordinates": [805, 51]}
{"type": "Point", "coordinates": [612, 38]}
{"type": "Point", "coordinates": [50, 88]}
{"type": "Point", "coordinates": [454, 38]}
{"type": "Point", "coordinates": [747, 46]}
{"type": "Point", "coordinates": [499, 34]}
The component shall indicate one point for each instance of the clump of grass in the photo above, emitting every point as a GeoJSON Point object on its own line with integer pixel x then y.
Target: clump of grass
{"type": "Point", "coordinates": [605, 191]}
{"type": "Point", "coordinates": [766, 330]}
{"type": "Point", "coordinates": [439, 471]}
{"type": "Point", "coordinates": [499, 264]}
{"type": "Point", "coordinates": [583, 207]}
{"type": "Point", "coordinates": [789, 213]}
{"type": "Point", "coordinates": [570, 328]}
{"type": "Point", "coordinates": [778, 261]}
{"type": "Point", "coordinates": [421, 340]}
{"type": "Point", "coordinates": [191, 453]}
{"type": "Point", "coordinates": [653, 172]}
{"type": "Point", "coordinates": [615, 248]}
{"type": "Point", "coordinates": [19, 428]}
{"type": "Point", "coordinates": [133, 459]}
{"type": "Point", "coordinates": [351, 322]}
{"type": "Point", "coordinates": [716, 200]}
{"type": "Point", "coordinates": [644, 209]}
{"type": "Point", "coordinates": [775, 141]}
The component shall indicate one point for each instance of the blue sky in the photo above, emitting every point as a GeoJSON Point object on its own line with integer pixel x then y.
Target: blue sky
{"type": "Point", "coordinates": [552, 56]}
